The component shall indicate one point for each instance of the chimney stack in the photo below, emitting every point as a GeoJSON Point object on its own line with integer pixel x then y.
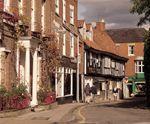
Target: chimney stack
{"type": "Point", "coordinates": [100, 25]}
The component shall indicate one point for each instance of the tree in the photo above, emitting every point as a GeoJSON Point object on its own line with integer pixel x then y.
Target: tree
{"type": "Point", "coordinates": [142, 8]}
{"type": "Point", "coordinates": [147, 65]}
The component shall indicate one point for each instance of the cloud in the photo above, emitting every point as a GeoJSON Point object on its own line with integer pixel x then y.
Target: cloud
{"type": "Point", "coordinates": [115, 12]}
{"type": "Point", "coordinates": [111, 25]}
{"type": "Point", "coordinates": [146, 26]}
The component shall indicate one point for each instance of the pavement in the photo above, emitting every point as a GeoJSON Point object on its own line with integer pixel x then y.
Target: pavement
{"type": "Point", "coordinates": [54, 115]}
{"type": "Point", "coordinates": [75, 113]}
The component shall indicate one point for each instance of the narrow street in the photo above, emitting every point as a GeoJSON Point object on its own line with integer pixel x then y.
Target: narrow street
{"type": "Point", "coordinates": [128, 112]}
{"type": "Point", "coordinates": [125, 112]}
{"type": "Point", "coordinates": [121, 112]}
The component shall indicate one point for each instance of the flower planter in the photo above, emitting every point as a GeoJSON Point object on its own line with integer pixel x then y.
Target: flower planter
{"type": "Point", "coordinates": [50, 98]}
{"type": "Point", "coordinates": [19, 103]}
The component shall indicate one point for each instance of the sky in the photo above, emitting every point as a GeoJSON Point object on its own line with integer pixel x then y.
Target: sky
{"type": "Point", "coordinates": [115, 12]}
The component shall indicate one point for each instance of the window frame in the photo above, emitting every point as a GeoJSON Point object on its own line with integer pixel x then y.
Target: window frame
{"type": "Point", "coordinates": [131, 50]}
{"type": "Point", "coordinates": [72, 14]}
{"type": "Point", "coordinates": [6, 5]}
{"type": "Point", "coordinates": [20, 6]}
{"type": "Point", "coordinates": [113, 64]}
{"type": "Point", "coordinates": [57, 7]}
{"type": "Point", "coordinates": [139, 66]}
{"type": "Point", "coordinates": [64, 44]}
{"type": "Point", "coordinates": [107, 62]}
{"type": "Point", "coordinates": [64, 10]}
{"type": "Point", "coordinates": [72, 46]}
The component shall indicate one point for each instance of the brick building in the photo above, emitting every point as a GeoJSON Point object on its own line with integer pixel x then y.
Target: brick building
{"type": "Point", "coordinates": [42, 18]}
{"type": "Point", "coordinates": [129, 43]}
{"type": "Point", "coordinates": [102, 65]}
{"type": "Point", "coordinates": [22, 60]}
{"type": "Point", "coordinates": [64, 25]}
{"type": "Point", "coordinates": [7, 45]}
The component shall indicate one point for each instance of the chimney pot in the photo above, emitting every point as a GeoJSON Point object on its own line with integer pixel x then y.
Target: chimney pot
{"type": "Point", "coordinates": [101, 25]}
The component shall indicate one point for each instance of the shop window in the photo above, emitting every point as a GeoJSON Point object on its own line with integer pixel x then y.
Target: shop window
{"type": "Point", "coordinates": [67, 84]}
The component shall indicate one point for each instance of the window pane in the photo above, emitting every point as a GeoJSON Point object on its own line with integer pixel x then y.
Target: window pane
{"type": "Point", "coordinates": [131, 49]}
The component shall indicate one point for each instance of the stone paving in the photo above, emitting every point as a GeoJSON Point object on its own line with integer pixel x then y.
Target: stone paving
{"type": "Point", "coordinates": [72, 113]}
{"type": "Point", "coordinates": [44, 117]}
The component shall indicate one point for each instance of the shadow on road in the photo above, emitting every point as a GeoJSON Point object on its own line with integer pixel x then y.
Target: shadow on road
{"type": "Point", "coordinates": [135, 102]}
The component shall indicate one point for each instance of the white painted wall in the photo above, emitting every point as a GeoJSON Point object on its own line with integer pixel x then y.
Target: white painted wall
{"type": "Point", "coordinates": [2, 69]}
{"type": "Point", "coordinates": [22, 67]}
{"type": "Point", "coordinates": [89, 80]}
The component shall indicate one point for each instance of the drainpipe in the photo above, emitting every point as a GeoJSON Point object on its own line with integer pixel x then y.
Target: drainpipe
{"type": "Point", "coordinates": [77, 94]}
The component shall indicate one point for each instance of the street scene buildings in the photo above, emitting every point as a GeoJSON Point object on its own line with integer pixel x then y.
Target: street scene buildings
{"type": "Point", "coordinates": [88, 52]}
{"type": "Point", "coordinates": [129, 42]}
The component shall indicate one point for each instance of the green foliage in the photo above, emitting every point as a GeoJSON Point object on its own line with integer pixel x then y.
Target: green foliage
{"type": "Point", "coordinates": [19, 90]}
{"type": "Point", "coordinates": [50, 57]}
{"type": "Point", "coordinates": [147, 56]}
{"type": "Point", "coordinates": [2, 90]}
{"type": "Point", "coordinates": [147, 66]}
{"type": "Point", "coordinates": [42, 93]}
{"type": "Point", "coordinates": [142, 8]}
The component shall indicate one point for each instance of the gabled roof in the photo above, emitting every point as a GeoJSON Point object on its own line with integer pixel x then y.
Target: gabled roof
{"type": "Point", "coordinates": [104, 41]}
{"type": "Point", "coordinates": [80, 23]}
{"type": "Point", "coordinates": [92, 44]}
{"type": "Point", "coordinates": [124, 35]}
{"type": "Point", "coordinates": [96, 47]}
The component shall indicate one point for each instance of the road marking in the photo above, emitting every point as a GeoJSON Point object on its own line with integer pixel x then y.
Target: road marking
{"type": "Point", "coordinates": [81, 116]}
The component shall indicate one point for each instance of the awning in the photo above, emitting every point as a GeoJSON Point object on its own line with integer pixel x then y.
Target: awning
{"type": "Point", "coordinates": [140, 77]}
